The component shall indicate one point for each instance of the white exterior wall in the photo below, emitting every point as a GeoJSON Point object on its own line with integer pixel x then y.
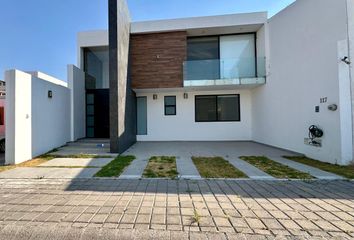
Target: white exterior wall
{"type": "Point", "coordinates": [50, 116]}
{"type": "Point", "coordinates": [76, 81]}
{"type": "Point", "coordinates": [18, 112]}
{"type": "Point", "coordinates": [39, 123]}
{"type": "Point", "coordinates": [304, 67]}
{"type": "Point", "coordinates": [183, 127]}
{"type": "Point", "coordinates": [350, 14]}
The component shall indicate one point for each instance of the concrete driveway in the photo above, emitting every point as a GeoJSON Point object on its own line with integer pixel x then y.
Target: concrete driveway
{"type": "Point", "coordinates": [231, 151]}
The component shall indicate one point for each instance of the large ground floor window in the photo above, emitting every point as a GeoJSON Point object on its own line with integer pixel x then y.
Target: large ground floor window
{"type": "Point", "coordinates": [217, 108]}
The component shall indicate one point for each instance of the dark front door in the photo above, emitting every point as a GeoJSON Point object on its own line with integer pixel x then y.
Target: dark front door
{"type": "Point", "coordinates": [97, 113]}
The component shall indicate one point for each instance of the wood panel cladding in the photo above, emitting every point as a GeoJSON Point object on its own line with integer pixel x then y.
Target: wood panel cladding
{"type": "Point", "coordinates": [156, 60]}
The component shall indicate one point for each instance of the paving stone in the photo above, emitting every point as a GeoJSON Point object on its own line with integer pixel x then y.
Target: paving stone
{"type": "Point", "coordinates": [307, 225]}
{"type": "Point", "coordinates": [327, 216]}
{"type": "Point", "coordinates": [158, 219]}
{"type": "Point", "coordinates": [173, 219]}
{"type": "Point", "coordinates": [143, 219]}
{"type": "Point", "coordinates": [222, 222]}
{"type": "Point", "coordinates": [238, 222]}
{"type": "Point", "coordinates": [255, 223]}
{"type": "Point", "coordinates": [289, 224]}
{"type": "Point", "coordinates": [272, 224]}
{"type": "Point", "coordinates": [343, 226]}
{"type": "Point", "coordinates": [128, 219]}
{"type": "Point", "coordinates": [325, 225]}
{"type": "Point", "coordinates": [278, 214]}
{"type": "Point", "coordinates": [344, 216]}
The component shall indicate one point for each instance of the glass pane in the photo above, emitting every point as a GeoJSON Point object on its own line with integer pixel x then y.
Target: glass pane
{"type": "Point", "coordinates": [96, 64]}
{"type": "Point", "coordinates": [237, 56]}
{"type": "Point", "coordinates": [228, 108]}
{"type": "Point", "coordinates": [90, 110]}
{"type": "Point", "coordinates": [90, 121]}
{"type": "Point", "coordinates": [205, 108]}
{"type": "Point", "coordinates": [170, 110]}
{"type": "Point", "coordinates": [141, 113]}
{"type": "Point", "coordinates": [202, 70]}
{"type": "Point", "coordinates": [90, 98]}
{"type": "Point", "coordinates": [203, 48]}
{"type": "Point", "coordinates": [170, 100]}
{"type": "Point", "coordinates": [90, 132]}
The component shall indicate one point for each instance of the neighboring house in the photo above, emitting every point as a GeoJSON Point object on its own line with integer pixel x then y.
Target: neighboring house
{"type": "Point", "coordinates": [238, 77]}
{"type": "Point", "coordinates": [2, 115]}
{"type": "Point", "coordinates": [2, 88]}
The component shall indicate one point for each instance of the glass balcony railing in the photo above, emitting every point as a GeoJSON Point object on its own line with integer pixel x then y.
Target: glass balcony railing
{"type": "Point", "coordinates": [224, 72]}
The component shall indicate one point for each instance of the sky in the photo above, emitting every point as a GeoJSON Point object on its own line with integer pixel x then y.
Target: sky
{"type": "Point", "coordinates": [40, 35]}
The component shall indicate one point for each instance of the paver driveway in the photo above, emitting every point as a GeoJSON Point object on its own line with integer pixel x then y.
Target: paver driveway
{"type": "Point", "coordinates": [175, 209]}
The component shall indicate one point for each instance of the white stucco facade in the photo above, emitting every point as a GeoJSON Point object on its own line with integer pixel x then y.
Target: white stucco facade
{"type": "Point", "coordinates": [183, 127]}
{"type": "Point", "coordinates": [304, 66]}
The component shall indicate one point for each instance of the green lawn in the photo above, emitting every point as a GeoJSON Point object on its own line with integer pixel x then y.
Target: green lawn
{"type": "Point", "coordinates": [275, 169]}
{"type": "Point", "coordinates": [216, 167]}
{"type": "Point", "coordinates": [116, 167]}
{"type": "Point", "coordinates": [161, 167]}
{"type": "Point", "coordinates": [345, 171]}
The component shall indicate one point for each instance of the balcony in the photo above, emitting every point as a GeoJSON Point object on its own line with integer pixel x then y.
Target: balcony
{"type": "Point", "coordinates": [221, 72]}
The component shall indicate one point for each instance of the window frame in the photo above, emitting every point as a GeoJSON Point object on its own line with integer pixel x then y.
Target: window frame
{"type": "Point", "coordinates": [233, 34]}
{"type": "Point", "coordinates": [217, 115]}
{"type": "Point", "coordinates": [166, 106]}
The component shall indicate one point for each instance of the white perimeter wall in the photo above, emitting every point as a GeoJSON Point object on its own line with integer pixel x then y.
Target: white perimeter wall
{"type": "Point", "coordinates": [76, 82]}
{"type": "Point", "coordinates": [350, 13]}
{"type": "Point", "coordinates": [183, 127]}
{"type": "Point", "coordinates": [305, 42]}
{"type": "Point", "coordinates": [39, 123]}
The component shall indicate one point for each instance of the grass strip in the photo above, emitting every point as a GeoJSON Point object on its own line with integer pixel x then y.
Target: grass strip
{"type": "Point", "coordinates": [116, 167]}
{"type": "Point", "coordinates": [275, 169]}
{"type": "Point", "coordinates": [345, 171]}
{"type": "Point", "coordinates": [216, 167]}
{"type": "Point", "coordinates": [161, 167]}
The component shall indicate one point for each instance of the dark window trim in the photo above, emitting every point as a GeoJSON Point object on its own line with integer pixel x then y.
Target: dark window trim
{"type": "Point", "coordinates": [175, 106]}
{"type": "Point", "coordinates": [217, 115]}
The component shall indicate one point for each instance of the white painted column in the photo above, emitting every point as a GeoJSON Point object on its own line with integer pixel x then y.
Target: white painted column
{"type": "Point", "coordinates": [76, 84]}
{"type": "Point", "coordinates": [345, 109]}
{"type": "Point", "coordinates": [350, 14]}
{"type": "Point", "coordinates": [18, 117]}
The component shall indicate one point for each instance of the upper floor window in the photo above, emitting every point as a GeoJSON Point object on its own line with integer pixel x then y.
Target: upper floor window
{"type": "Point", "coordinates": [221, 57]}
{"type": "Point", "coordinates": [203, 48]}
{"type": "Point", "coordinates": [96, 67]}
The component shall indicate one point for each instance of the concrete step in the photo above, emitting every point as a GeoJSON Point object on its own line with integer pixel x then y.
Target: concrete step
{"type": "Point", "coordinates": [85, 148]}
{"type": "Point", "coordinates": [93, 140]}
{"type": "Point", "coordinates": [88, 145]}
{"type": "Point", "coordinates": [65, 151]}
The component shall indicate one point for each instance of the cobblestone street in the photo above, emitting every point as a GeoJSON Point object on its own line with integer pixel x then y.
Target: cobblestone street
{"type": "Point", "coordinates": [175, 209]}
